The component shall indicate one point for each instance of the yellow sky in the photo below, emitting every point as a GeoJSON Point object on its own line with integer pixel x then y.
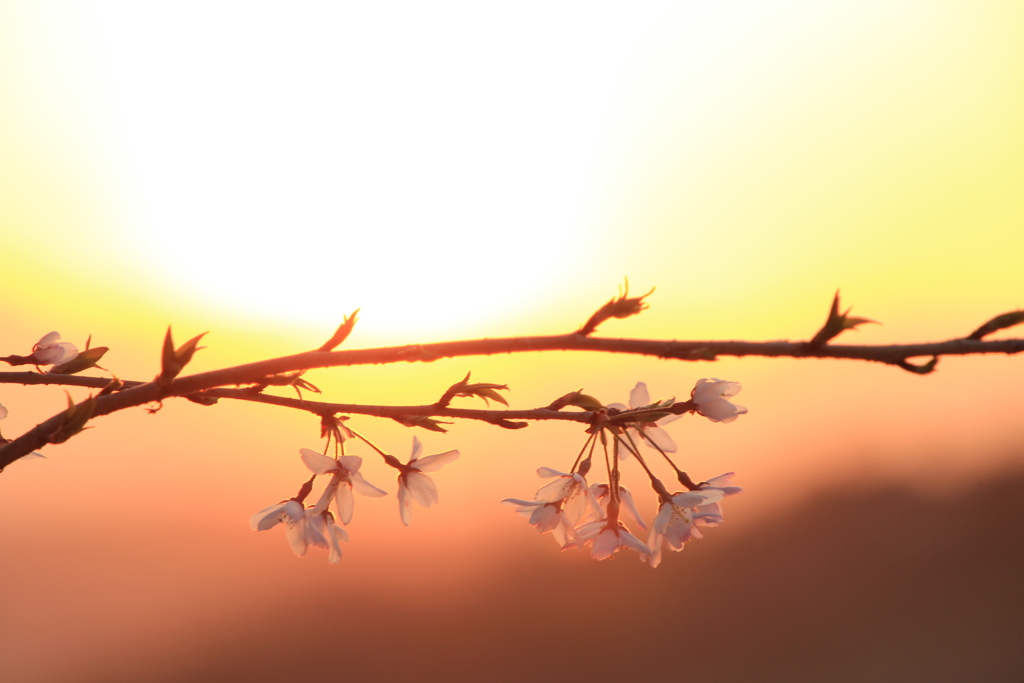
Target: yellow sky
{"type": "Point", "coordinates": [462, 172]}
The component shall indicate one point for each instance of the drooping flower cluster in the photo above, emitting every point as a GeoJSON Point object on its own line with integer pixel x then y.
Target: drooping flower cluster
{"type": "Point", "coordinates": [580, 514]}
{"type": "Point", "coordinates": [315, 525]}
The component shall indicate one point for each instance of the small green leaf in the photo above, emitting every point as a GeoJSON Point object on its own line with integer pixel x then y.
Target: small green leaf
{"type": "Point", "coordinates": [421, 421]}
{"type": "Point", "coordinates": [622, 307]}
{"type": "Point", "coordinates": [85, 360]}
{"type": "Point", "coordinates": [174, 361]}
{"type": "Point", "coordinates": [585, 401]}
{"type": "Point", "coordinates": [187, 350]}
{"type": "Point", "coordinates": [835, 324]}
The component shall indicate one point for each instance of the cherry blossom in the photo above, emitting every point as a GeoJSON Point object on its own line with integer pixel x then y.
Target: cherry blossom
{"type": "Point", "coordinates": [571, 490]}
{"type": "Point", "coordinates": [346, 479]}
{"type": "Point", "coordinates": [413, 484]}
{"type": "Point", "coordinates": [296, 526]}
{"type": "Point", "coordinates": [545, 517]}
{"type": "Point", "coordinates": [50, 351]}
{"type": "Point", "coordinates": [608, 537]}
{"type": "Point", "coordinates": [677, 519]}
{"type": "Point", "coordinates": [649, 432]}
{"type": "Point", "coordinates": [710, 514]}
{"type": "Point", "coordinates": [332, 533]}
{"type": "Point", "coordinates": [602, 492]}
{"type": "Point", "coordinates": [711, 397]}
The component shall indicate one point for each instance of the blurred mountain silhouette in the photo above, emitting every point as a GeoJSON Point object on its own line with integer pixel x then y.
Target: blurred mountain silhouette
{"type": "Point", "coordinates": [858, 584]}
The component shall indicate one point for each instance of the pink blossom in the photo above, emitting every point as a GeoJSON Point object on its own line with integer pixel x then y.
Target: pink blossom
{"type": "Point", "coordinates": [413, 484]}
{"type": "Point", "coordinates": [50, 351]}
{"type": "Point", "coordinates": [711, 397]}
{"type": "Point", "coordinates": [346, 479]}
{"type": "Point", "coordinates": [607, 538]}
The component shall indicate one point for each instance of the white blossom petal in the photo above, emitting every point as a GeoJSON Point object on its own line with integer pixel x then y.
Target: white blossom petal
{"type": "Point", "coordinates": [639, 397]}
{"type": "Point", "coordinates": [404, 503]}
{"type": "Point", "coordinates": [345, 502]}
{"type": "Point", "coordinates": [422, 488]}
{"type": "Point", "coordinates": [605, 545]}
{"type": "Point", "coordinates": [352, 463]}
{"type": "Point", "coordinates": [48, 339]}
{"type": "Point", "coordinates": [267, 518]}
{"type": "Point", "coordinates": [659, 437]}
{"type": "Point", "coordinates": [365, 488]}
{"type": "Point", "coordinates": [548, 473]}
{"type": "Point", "coordinates": [318, 463]}
{"type": "Point", "coordinates": [432, 463]}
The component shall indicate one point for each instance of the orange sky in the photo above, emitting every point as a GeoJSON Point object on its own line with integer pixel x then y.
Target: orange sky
{"type": "Point", "coordinates": [459, 173]}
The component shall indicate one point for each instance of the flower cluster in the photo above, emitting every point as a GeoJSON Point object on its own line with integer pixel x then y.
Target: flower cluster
{"type": "Point", "coordinates": [315, 525]}
{"type": "Point", "coordinates": [580, 514]}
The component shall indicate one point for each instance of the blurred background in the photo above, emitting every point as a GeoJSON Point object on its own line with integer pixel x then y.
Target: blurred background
{"type": "Point", "coordinates": [461, 171]}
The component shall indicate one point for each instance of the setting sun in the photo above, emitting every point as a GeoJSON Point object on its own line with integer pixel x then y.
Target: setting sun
{"type": "Point", "coordinates": [459, 171]}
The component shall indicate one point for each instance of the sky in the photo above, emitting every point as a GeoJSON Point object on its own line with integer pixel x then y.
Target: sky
{"type": "Point", "coordinates": [458, 171]}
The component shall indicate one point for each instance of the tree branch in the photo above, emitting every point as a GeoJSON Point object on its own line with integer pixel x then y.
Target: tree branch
{"type": "Point", "coordinates": [135, 393]}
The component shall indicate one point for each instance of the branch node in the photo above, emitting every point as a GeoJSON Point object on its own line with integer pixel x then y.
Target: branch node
{"type": "Point", "coordinates": [919, 369]}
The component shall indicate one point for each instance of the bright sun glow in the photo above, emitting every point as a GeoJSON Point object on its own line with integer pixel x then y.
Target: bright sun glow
{"type": "Point", "coordinates": [311, 161]}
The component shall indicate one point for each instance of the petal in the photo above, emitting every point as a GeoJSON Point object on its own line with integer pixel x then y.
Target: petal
{"type": "Point", "coordinates": [587, 532]}
{"type": "Point", "coordinates": [659, 437]}
{"type": "Point", "coordinates": [335, 554]}
{"type": "Point", "coordinates": [639, 397]}
{"type": "Point", "coordinates": [404, 502]}
{"type": "Point", "coordinates": [296, 534]}
{"type": "Point", "coordinates": [417, 448]}
{"type": "Point", "coordinates": [325, 497]}
{"type": "Point", "coordinates": [318, 463]}
{"type": "Point", "coordinates": [422, 488]}
{"type": "Point", "coordinates": [523, 503]}
{"type": "Point", "coordinates": [691, 499]}
{"type": "Point", "coordinates": [629, 508]}
{"type": "Point", "coordinates": [48, 355]}
{"type": "Point", "coordinates": [668, 419]}
{"type": "Point", "coordinates": [633, 543]}
{"type": "Point", "coordinates": [548, 473]}
{"type": "Point", "coordinates": [720, 410]}
{"type": "Point", "coordinates": [352, 463]}
{"type": "Point", "coordinates": [69, 352]}
{"type": "Point", "coordinates": [433, 463]}
{"type": "Point", "coordinates": [545, 518]}
{"type": "Point", "coordinates": [365, 488]}
{"type": "Point", "coordinates": [3, 412]}
{"type": "Point", "coordinates": [267, 518]}
{"type": "Point", "coordinates": [575, 506]}
{"type": "Point", "coordinates": [554, 491]}
{"type": "Point", "coordinates": [606, 543]}
{"type": "Point", "coordinates": [48, 339]}
{"type": "Point", "coordinates": [315, 527]}
{"type": "Point", "coordinates": [345, 502]}
{"type": "Point", "coordinates": [293, 511]}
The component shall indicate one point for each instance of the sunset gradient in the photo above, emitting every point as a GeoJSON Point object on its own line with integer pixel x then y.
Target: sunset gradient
{"type": "Point", "coordinates": [459, 171]}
